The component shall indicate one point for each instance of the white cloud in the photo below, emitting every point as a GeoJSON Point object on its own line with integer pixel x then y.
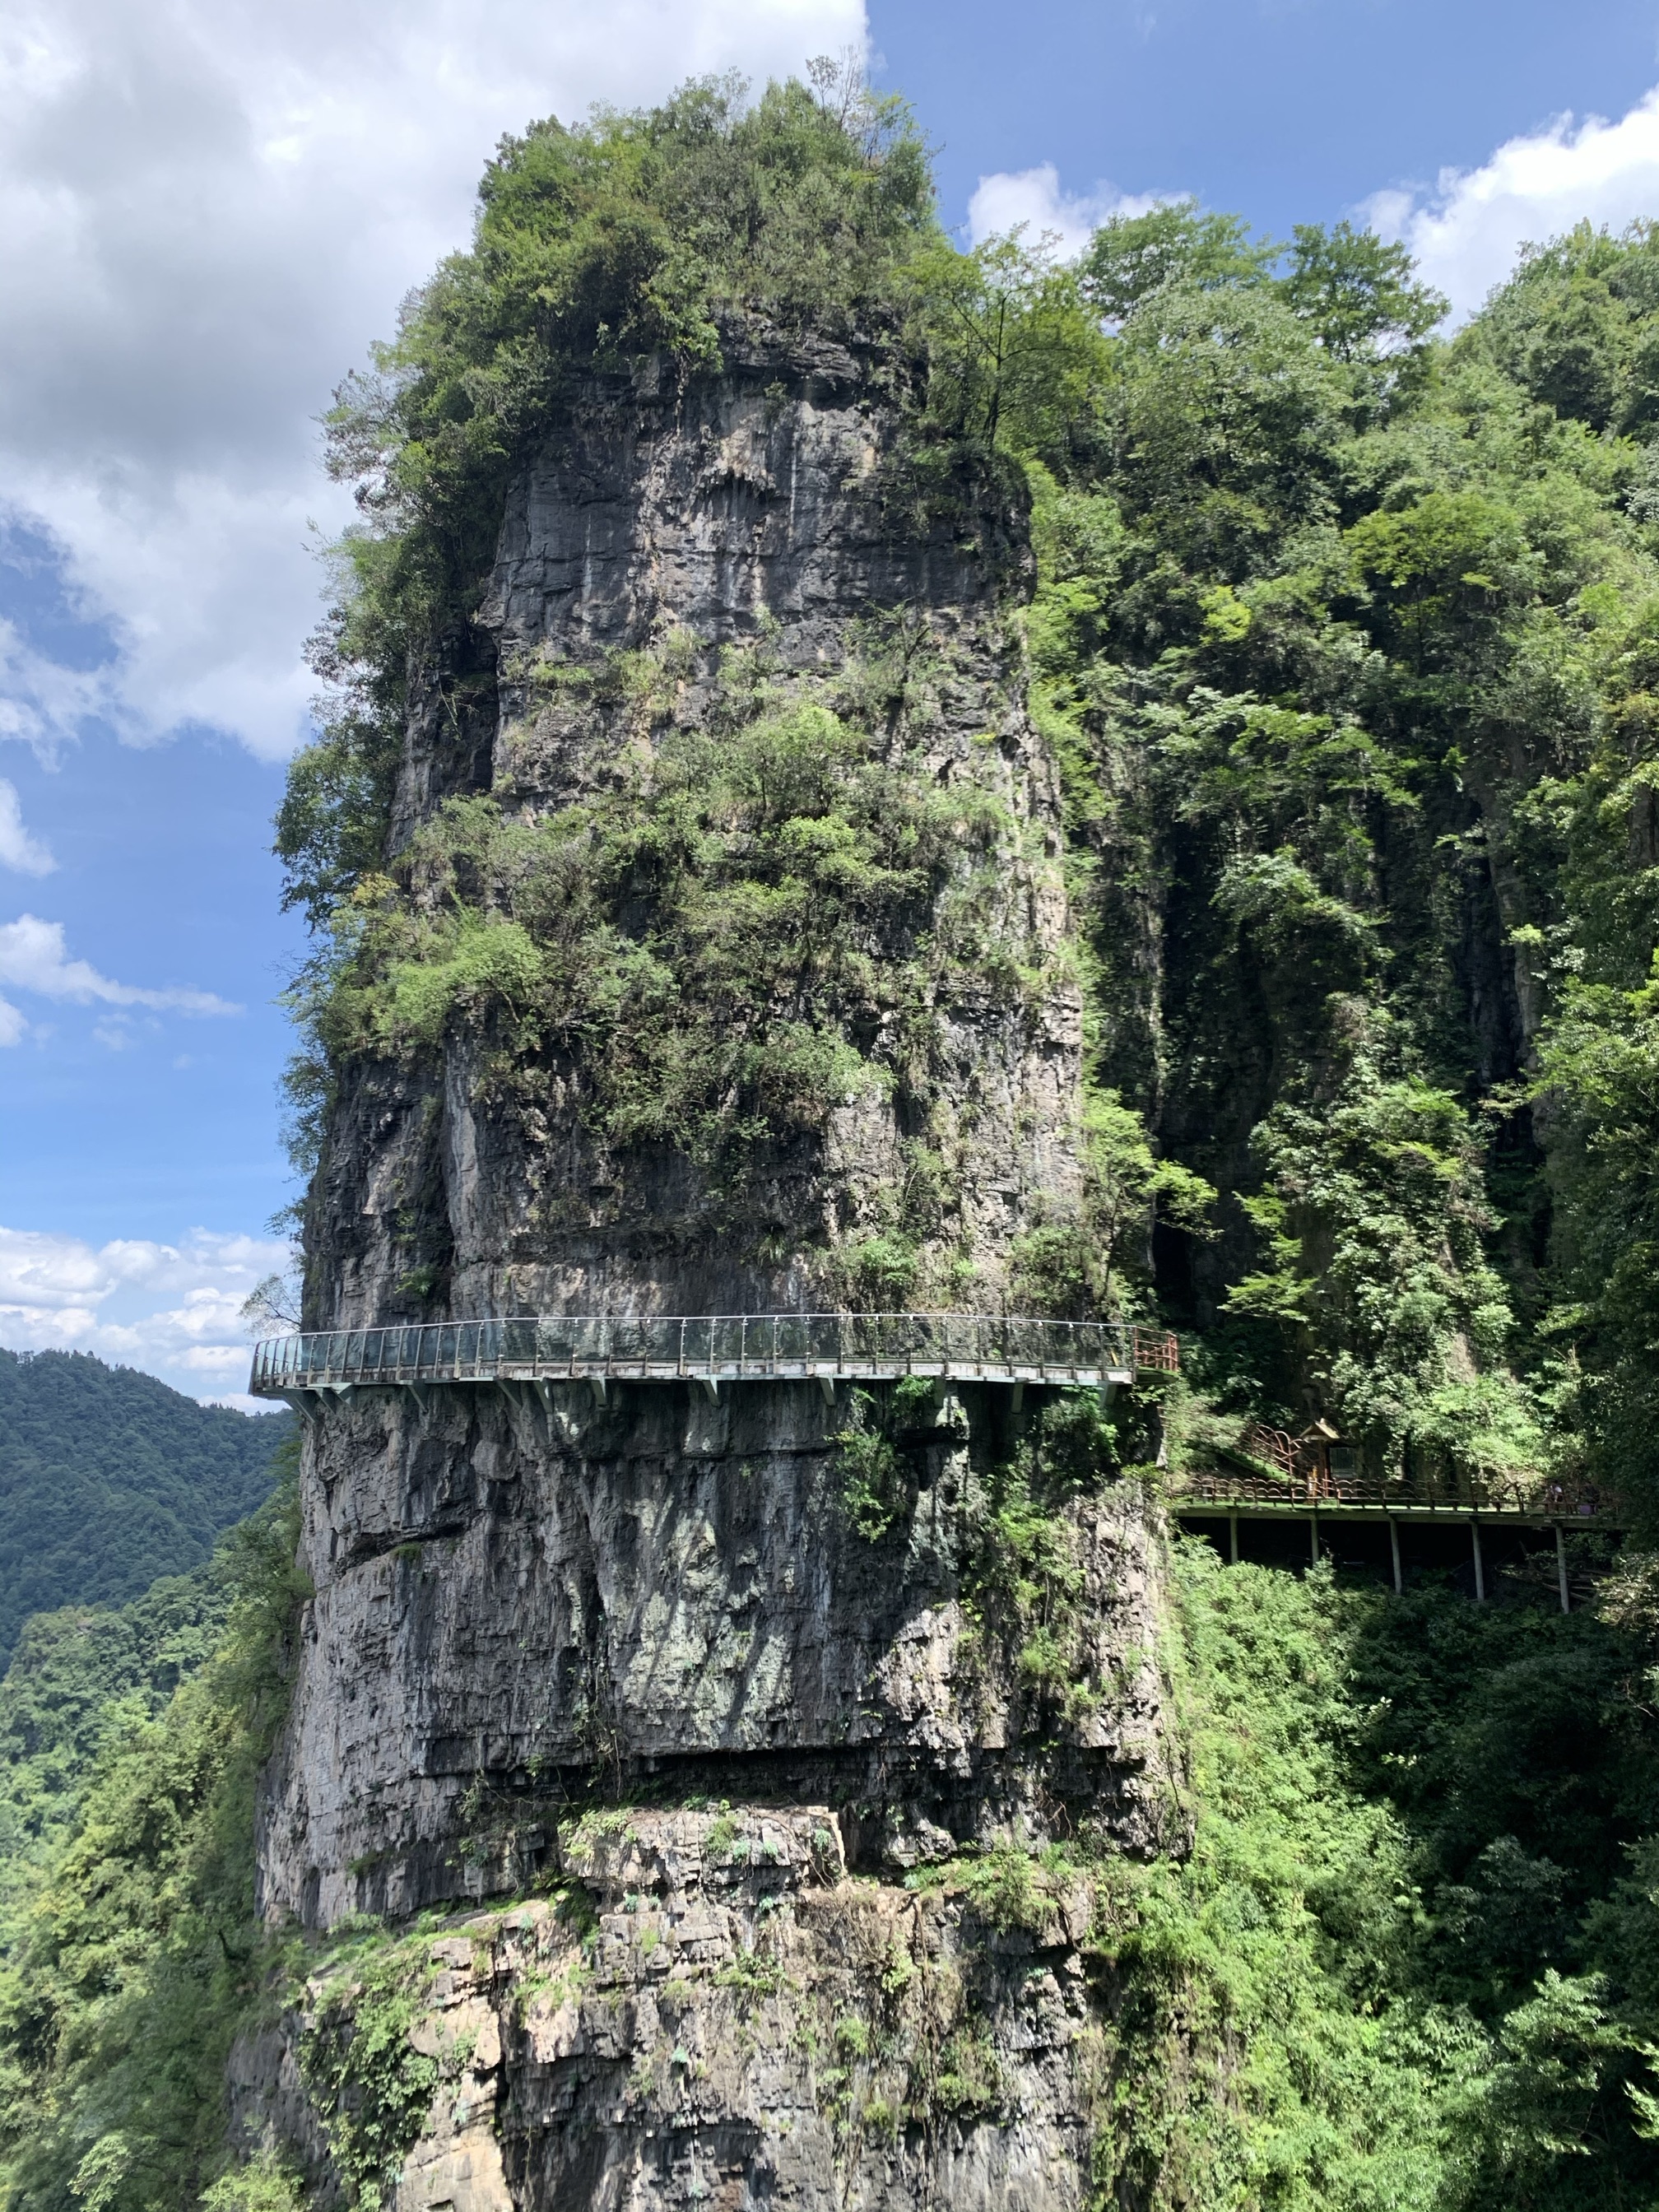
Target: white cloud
{"type": "Point", "coordinates": [17, 849]}
{"type": "Point", "coordinates": [34, 957]}
{"type": "Point", "coordinates": [12, 1027]}
{"type": "Point", "coordinates": [1034, 197]}
{"type": "Point", "coordinates": [207, 212]}
{"type": "Point", "coordinates": [1467, 234]}
{"type": "Point", "coordinates": [44, 703]}
{"type": "Point", "coordinates": [174, 1310]}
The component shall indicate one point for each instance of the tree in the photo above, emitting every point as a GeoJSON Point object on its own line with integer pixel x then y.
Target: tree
{"type": "Point", "coordinates": [1356, 291]}
{"type": "Point", "coordinates": [1133, 256]}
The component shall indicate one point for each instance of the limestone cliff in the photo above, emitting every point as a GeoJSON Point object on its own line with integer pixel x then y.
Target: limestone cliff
{"type": "Point", "coordinates": [522, 1607]}
{"type": "Point", "coordinates": [672, 542]}
{"type": "Point", "coordinates": [704, 2009]}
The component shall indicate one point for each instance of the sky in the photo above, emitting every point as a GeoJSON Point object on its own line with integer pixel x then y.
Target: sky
{"type": "Point", "coordinates": [210, 210]}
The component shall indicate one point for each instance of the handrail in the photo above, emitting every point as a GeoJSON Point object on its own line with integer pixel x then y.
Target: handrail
{"type": "Point", "coordinates": [1308, 1489]}
{"type": "Point", "coordinates": [712, 1347]}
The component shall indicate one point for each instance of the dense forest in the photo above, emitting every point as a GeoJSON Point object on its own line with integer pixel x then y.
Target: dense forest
{"type": "Point", "coordinates": [108, 1479]}
{"type": "Point", "coordinates": [1345, 632]}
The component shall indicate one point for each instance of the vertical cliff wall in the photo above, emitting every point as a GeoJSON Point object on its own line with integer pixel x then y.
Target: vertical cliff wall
{"type": "Point", "coordinates": [687, 563]}
{"type": "Point", "coordinates": [523, 1606]}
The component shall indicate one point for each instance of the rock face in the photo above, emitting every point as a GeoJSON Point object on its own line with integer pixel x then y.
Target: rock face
{"type": "Point", "coordinates": [507, 1607]}
{"type": "Point", "coordinates": [763, 513]}
{"type": "Point", "coordinates": [522, 1605]}
{"type": "Point", "coordinates": [705, 2009]}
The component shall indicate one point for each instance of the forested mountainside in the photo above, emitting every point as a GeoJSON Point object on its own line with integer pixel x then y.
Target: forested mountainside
{"type": "Point", "coordinates": [108, 1479]}
{"type": "Point", "coordinates": [1342, 635]}
{"type": "Point", "coordinates": [1258, 820]}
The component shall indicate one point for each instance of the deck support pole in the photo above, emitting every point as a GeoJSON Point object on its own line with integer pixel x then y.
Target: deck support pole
{"type": "Point", "coordinates": [1017, 1398]}
{"type": "Point", "coordinates": [1313, 1540]}
{"type": "Point", "coordinates": [1393, 1547]}
{"type": "Point", "coordinates": [1479, 1564]}
{"type": "Point", "coordinates": [827, 1384]}
{"type": "Point", "coordinates": [1232, 1540]}
{"type": "Point", "coordinates": [1561, 1567]}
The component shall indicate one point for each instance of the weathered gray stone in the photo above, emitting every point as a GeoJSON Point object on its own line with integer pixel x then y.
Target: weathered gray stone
{"type": "Point", "coordinates": [506, 1600]}
{"type": "Point", "coordinates": [759, 506]}
{"type": "Point", "coordinates": [517, 1606]}
{"type": "Point", "coordinates": [745, 2026]}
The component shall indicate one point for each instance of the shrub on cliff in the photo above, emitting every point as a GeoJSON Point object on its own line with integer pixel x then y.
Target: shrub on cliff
{"type": "Point", "coordinates": [630, 235]}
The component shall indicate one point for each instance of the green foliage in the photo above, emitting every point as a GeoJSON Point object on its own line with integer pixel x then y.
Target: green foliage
{"type": "Point", "coordinates": [1016, 356]}
{"type": "Point", "coordinates": [1574, 326]}
{"type": "Point", "coordinates": [265, 2184]}
{"type": "Point", "coordinates": [1356, 291]}
{"type": "Point", "coordinates": [1024, 1584]}
{"type": "Point", "coordinates": [1343, 638]}
{"type": "Point", "coordinates": [78, 1680]}
{"type": "Point", "coordinates": [1374, 1217]}
{"type": "Point", "coordinates": [1369, 1941]}
{"type": "Point", "coordinates": [1132, 257]}
{"type": "Point", "coordinates": [596, 244]}
{"type": "Point", "coordinates": [712, 945]}
{"type": "Point", "coordinates": [874, 1453]}
{"type": "Point", "coordinates": [364, 2073]}
{"type": "Point", "coordinates": [131, 1946]}
{"type": "Point", "coordinates": [109, 1480]}
{"type": "Point", "coordinates": [1098, 1262]}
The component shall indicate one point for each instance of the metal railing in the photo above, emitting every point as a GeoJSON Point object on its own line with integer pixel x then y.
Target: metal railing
{"type": "Point", "coordinates": [713, 1347]}
{"type": "Point", "coordinates": [1310, 1489]}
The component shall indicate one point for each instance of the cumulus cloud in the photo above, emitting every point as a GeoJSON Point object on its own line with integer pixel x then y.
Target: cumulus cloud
{"type": "Point", "coordinates": [44, 703]}
{"type": "Point", "coordinates": [207, 213]}
{"type": "Point", "coordinates": [1467, 232]}
{"type": "Point", "coordinates": [18, 849]}
{"type": "Point", "coordinates": [174, 1310]}
{"type": "Point", "coordinates": [33, 956]}
{"type": "Point", "coordinates": [1035, 197]}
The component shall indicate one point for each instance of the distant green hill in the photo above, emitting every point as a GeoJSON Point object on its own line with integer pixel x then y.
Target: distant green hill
{"type": "Point", "coordinates": [109, 1480]}
{"type": "Point", "coordinates": [80, 1679]}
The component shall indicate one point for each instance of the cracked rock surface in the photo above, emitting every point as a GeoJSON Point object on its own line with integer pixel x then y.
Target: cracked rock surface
{"type": "Point", "coordinates": [707, 2010]}
{"type": "Point", "coordinates": [523, 1607]}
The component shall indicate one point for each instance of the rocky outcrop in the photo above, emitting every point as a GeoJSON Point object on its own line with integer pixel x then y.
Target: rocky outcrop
{"type": "Point", "coordinates": [705, 2009]}
{"type": "Point", "coordinates": [666, 526]}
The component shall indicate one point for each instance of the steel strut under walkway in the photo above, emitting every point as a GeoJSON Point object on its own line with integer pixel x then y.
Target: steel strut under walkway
{"type": "Point", "coordinates": [1210, 1500]}
{"type": "Point", "coordinates": [708, 1349]}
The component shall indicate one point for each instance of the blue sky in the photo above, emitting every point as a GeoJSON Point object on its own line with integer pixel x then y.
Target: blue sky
{"type": "Point", "coordinates": [1286, 111]}
{"type": "Point", "coordinates": [206, 215]}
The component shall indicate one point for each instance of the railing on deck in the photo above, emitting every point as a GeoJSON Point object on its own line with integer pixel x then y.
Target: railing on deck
{"type": "Point", "coordinates": [1307, 1488]}
{"type": "Point", "coordinates": [715, 1347]}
